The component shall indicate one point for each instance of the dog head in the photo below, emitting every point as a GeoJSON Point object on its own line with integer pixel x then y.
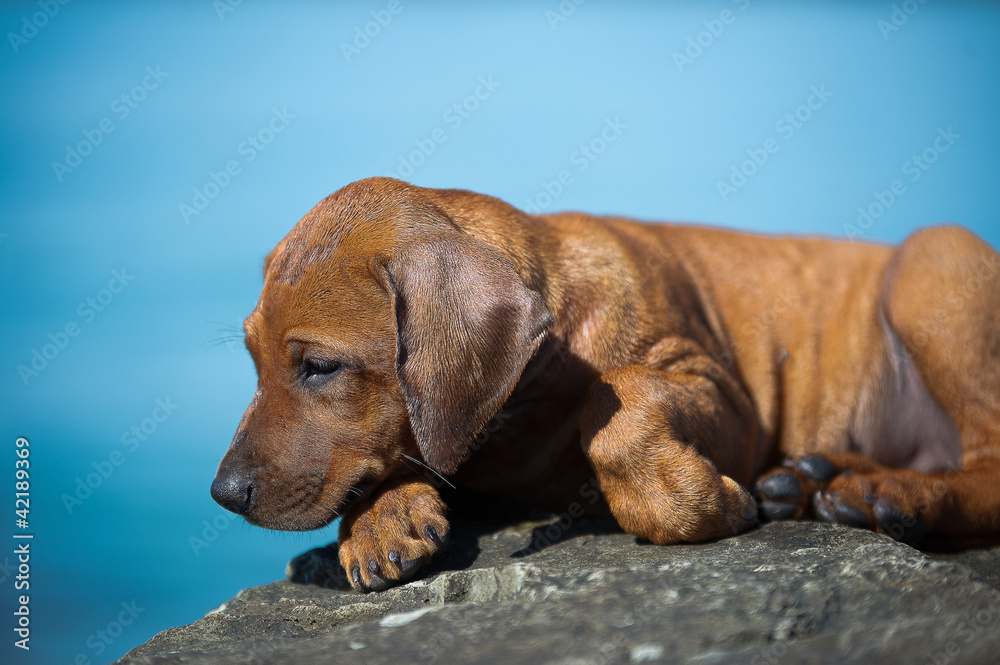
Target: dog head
{"type": "Point", "coordinates": [384, 330]}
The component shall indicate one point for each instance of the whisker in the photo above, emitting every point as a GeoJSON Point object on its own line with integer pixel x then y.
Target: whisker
{"type": "Point", "coordinates": [229, 333]}
{"type": "Point", "coordinates": [226, 326]}
{"type": "Point", "coordinates": [212, 343]}
{"type": "Point", "coordinates": [445, 480]}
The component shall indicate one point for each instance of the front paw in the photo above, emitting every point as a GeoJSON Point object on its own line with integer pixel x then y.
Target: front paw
{"type": "Point", "coordinates": [386, 538]}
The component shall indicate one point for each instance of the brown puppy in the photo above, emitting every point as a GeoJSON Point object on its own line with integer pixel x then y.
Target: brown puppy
{"type": "Point", "coordinates": [675, 364]}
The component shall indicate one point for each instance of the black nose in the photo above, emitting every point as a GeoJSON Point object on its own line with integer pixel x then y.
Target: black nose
{"type": "Point", "coordinates": [233, 490]}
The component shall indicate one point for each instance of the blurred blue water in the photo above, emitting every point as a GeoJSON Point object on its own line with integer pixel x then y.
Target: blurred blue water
{"type": "Point", "coordinates": [685, 115]}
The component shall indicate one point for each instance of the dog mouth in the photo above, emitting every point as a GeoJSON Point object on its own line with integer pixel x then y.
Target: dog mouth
{"type": "Point", "coordinates": [356, 493]}
{"type": "Point", "coordinates": [303, 508]}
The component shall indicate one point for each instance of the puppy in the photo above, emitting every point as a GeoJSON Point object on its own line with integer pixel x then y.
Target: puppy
{"type": "Point", "coordinates": [604, 366]}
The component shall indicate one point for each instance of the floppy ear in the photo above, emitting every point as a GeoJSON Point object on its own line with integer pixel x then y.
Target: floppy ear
{"type": "Point", "coordinates": [466, 326]}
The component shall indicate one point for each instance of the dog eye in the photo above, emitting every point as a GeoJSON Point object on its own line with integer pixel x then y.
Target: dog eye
{"type": "Point", "coordinates": [315, 371]}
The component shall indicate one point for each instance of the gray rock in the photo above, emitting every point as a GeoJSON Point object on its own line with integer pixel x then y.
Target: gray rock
{"type": "Point", "coordinates": [589, 594]}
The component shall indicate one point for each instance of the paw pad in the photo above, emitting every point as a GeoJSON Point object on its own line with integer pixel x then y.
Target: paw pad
{"type": "Point", "coordinates": [779, 497]}
{"type": "Point", "coordinates": [818, 468]}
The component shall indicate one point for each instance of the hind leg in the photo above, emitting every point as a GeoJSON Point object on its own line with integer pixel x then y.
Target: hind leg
{"type": "Point", "coordinates": [955, 505]}
{"type": "Point", "coordinates": [853, 490]}
{"type": "Point", "coordinates": [942, 299]}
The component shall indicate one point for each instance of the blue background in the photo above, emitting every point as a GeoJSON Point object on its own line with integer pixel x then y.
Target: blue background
{"type": "Point", "coordinates": [686, 126]}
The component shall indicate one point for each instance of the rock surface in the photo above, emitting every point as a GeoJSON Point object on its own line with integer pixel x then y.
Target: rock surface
{"type": "Point", "coordinates": [588, 594]}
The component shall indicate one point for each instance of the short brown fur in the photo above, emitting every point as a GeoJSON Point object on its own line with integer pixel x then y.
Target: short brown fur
{"type": "Point", "coordinates": [522, 356]}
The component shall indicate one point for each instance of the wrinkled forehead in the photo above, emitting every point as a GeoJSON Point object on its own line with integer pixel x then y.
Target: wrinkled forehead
{"type": "Point", "coordinates": [338, 293]}
{"type": "Point", "coordinates": [355, 222]}
{"type": "Point", "coordinates": [326, 247]}
{"type": "Point", "coordinates": [321, 275]}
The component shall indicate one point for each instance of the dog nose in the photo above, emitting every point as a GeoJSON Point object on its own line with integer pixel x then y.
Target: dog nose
{"type": "Point", "coordinates": [233, 490]}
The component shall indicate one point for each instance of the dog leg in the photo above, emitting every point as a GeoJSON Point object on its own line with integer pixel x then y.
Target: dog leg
{"type": "Point", "coordinates": [961, 505]}
{"type": "Point", "coordinates": [669, 446]}
{"type": "Point", "coordinates": [942, 299]}
{"type": "Point", "coordinates": [385, 538]}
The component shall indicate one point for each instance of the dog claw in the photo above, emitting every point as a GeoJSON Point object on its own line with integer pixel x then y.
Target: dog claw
{"type": "Point", "coordinates": [818, 468]}
{"type": "Point", "coordinates": [356, 578]}
{"type": "Point", "coordinates": [379, 582]}
{"type": "Point", "coordinates": [896, 525]}
{"type": "Point", "coordinates": [435, 538]}
{"type": "Point", "coordinates": [830, 509]}
{"type": "Point", "coordinates": [406, 567]}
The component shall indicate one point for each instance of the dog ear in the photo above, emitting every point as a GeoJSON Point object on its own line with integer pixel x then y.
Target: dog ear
{"type": "Point", "coordinates": [466, 326]}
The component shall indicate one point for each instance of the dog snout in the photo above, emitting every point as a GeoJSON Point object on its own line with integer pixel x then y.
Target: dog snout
{"type": "Point", "coordinates": [234, 490]}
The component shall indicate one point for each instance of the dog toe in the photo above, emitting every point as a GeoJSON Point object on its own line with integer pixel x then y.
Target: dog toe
{"type": "Point", "coordinates": [780, 496]}
{"type": "Point", "coordinates": [376, 580]}
{"type": "Point", "coordinates": [818, 468]}
{"type": "Point", "coordinates": [408, 567]}
{"type": "Point", "coordinates": [740, 507]}
{"type": "Point", "coordinates": [437, 539]}
{"type": "Point", "coordinates": [356, 579]}
{"type": "Point", "coordinates": [404, 568]}
{"type": "Point", "coordinates": [831, 508]}
{"type": "Point", "coordinates": [779, 487]}
{"type": "Point", "coordinates": [897, 525]}
{"type": "Point", "coordinates": [364, 571]}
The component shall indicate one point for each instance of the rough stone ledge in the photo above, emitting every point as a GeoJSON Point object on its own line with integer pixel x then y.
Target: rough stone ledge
{"type": "Point", "coordinates": [788, 592]}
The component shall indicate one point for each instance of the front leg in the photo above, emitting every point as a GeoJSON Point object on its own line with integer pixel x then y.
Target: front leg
{"type": "Point", "coordinates": [668, 440]}
{"type": "Point", "coordinates": [385, 538]}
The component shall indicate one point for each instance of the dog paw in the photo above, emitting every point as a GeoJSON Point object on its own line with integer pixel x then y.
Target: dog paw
{"type": "Point", "coordinates": [741, 509]}
{"type": "Point", "coordinates": [876, 501]}
{"type": "Point", "coordinates": [385, 539]}
{"type": "Point", "coordinates": [846, 489]}
{"type": "Point", "coordinates": [784, 493]}
{"type": "Point", "coordinates": [831, 507]}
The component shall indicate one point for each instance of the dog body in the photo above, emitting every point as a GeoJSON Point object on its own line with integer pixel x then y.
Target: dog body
{"type": "Point", "coordinates": [593, 365]}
